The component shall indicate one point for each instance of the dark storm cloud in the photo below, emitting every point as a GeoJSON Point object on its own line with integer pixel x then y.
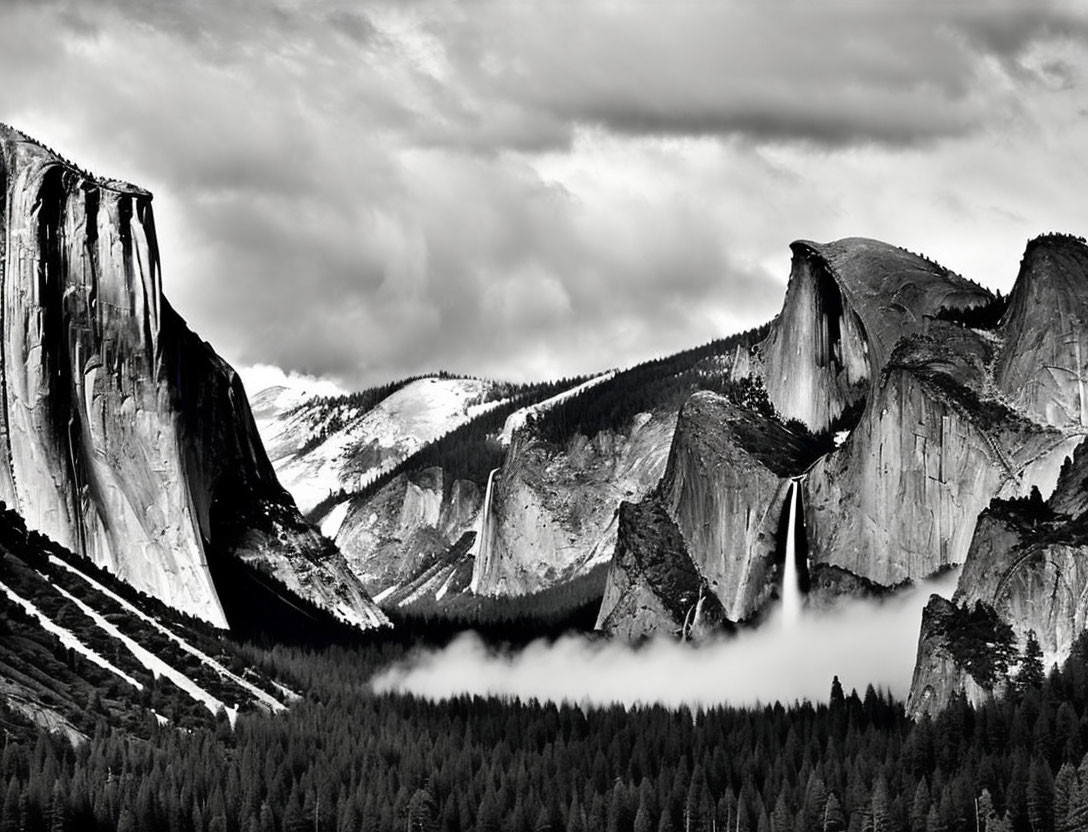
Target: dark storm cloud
{"type": "Point", "coordinates": [371, 190]}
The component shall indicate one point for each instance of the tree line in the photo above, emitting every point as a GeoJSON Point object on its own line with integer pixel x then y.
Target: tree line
{"type": "Point", "coordinates": [345, 759]}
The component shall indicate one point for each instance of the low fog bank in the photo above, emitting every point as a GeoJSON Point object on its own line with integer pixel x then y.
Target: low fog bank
{"type": "Point", "coordinates": [862, 642]}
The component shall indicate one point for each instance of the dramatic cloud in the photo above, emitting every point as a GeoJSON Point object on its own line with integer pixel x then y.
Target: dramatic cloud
{"type": "Point", "coordinates": [369, 190]}
{"type": "Point", "coordinates": [861, 642]}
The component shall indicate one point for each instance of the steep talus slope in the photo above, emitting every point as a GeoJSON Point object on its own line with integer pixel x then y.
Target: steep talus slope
{"type": "Point", "coordinates": [847, 305]}
{"type": "Point", "coordinates": [1043, 367]}
{"type": "Point", "coordinates": [554, 510]}
{"type": "Point", "coordinates": [121, 433]}
{"type": "Point", "coordinates": [720, 505]}
{"type": "Point", "coordinates": [898, 501]}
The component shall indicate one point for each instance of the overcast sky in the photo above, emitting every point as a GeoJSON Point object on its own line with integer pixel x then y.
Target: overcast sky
{"type": "Point", "coordinates": [528, 189]}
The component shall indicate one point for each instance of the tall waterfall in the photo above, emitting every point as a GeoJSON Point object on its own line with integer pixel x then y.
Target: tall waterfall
{"type": "Point", "coordinates": [479, 545]}
{"type": "Point", "coordinates": [791, 583]}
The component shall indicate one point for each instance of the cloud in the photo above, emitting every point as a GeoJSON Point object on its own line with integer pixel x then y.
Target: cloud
{"type": "Point", "coordinates": [861, 642]}
{"type": "Point", "coordinates": [536, 189]}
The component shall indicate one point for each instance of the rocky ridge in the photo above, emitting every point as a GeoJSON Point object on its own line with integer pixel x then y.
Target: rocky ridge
{"type": "Point", "coordinates": [867, 344]}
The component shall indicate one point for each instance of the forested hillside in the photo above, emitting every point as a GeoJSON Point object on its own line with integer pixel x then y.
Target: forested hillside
{"type": "Point", "coordinates": [660, 384]}
{"type": "Point", "coordinates": [345, 759]}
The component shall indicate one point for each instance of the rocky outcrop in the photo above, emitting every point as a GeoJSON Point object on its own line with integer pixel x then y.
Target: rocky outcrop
{"type": "Point", "coordinates": [724, 491]}
{"type": "Point", "coordinates": [653, 587]}
{"type": "Point", "coordinates": [322, 445]}
{"type": "Point", "coordinates": [958, 654]}
{"type": "Point", "coordinates": [1043, 367]}
{"type": "Point", "coordinates": [847, 305]}
{"type": "Point", "coordinates": [123, 436]}
{"type": "Point", "coordinates": [1026, 559]}
{"type": "Point", "coordinates": [1029, 564]}
{"type": "Point", "coordinates": [899, 500]}
{"type": "Point", "coordinates": [935, 438]}
{"type": "Point", "coordinates": [392, 537]}
{"type": "Point", "coordinates": [554, 510]}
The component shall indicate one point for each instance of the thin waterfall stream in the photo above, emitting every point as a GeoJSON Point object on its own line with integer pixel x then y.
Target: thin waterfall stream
{"type": "Point", "coordinates": [791, 580]}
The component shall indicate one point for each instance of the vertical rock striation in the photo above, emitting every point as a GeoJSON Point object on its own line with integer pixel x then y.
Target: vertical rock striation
{"type": "Point", "coordinates": [122, 435]}
{"type": "Point", "coordinates": [898, 501]}
{"type": "Point", "coordinates": [408, 525]}
{"type": "Point", "coordinates": [719, 507]}
{"type": "Point", "coordinates": [554, 511]}
{"type": "Point", "coordinates": [847, 305]}
{"type": "Point", "coordinates": [1044, 364]}
{"type": "Point", "coordinates": [1027, 560]}
{"type": "Point", "coordinates": [1028, 563]}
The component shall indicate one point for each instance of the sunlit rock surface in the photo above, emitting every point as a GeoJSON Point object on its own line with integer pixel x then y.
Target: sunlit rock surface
{"type": "Point", "coordinates": [847, 305]}
{"type": "Point", "coordinates": [724, 492]}
{"type": "Point", "coordinates": [1025, 561]}
{"type": "Point", "coordinates": [122, 435]}
{"type": "Point", "coordinates": [1029, 563]}
{"type": "Point", "coordinates": [935, 443]}
{"type": "Point", "coordinates": [392, 537]}
{"type": "Point", "coordinates": [1044, 364]}
{"type": "Point", "coordinates": [555, 511]}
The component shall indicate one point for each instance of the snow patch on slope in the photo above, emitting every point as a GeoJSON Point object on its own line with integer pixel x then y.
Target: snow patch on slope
{"type": "Point", "coordinates": [331, 522]}
{"type": "Point", "coordinates": [368, 443]}
{"type": "Point", "coordinates": [516, 420]}
{"type": "Point", "coordinates": [155, 665]}
{"type": "Point", "coordinates": [261, 696]}
{"type": "Point", "coordinates": [68, 638]}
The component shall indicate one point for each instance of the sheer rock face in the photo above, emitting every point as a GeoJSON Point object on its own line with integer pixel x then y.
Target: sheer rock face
{"type": "Point", "coordinates": [554, 511]}
{"type": "Point", "coordinates": [937, 438]}
{"type": "Point", "coordinates": [412, 521]}
{"type": "Point", "coordinates": [847, 305]}
{"type": "Point", "coordinates": [937, 674]}
{"type": "Point", "coordinates": [1026, 563]}
{"type": "Point", "coordinates": [1044, 365]}
{"type": "Point", "coordinates": [1031, 566]}
{"type": "Point", "coordinates": [122, 435]}
{"type": "Point", "coordinates": [898, 501]}
{"type": "Point", "coordinates": [724, 489]}
{"type": "Point", "coordinates": [653, 587]}
{"type": "Point", "coordinates": [724, 492]}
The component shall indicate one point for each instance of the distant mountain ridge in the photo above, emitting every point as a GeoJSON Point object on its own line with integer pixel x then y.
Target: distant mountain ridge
{"type": "Point", "coordinates": [900, 396]}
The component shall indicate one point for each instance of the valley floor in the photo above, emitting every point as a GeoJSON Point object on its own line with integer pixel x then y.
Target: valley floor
{"type": "Point", "coordinates": [344, 758]}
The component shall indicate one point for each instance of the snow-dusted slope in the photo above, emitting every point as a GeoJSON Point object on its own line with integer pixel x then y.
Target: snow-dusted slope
{"type": "Point", "coordinates": [320, 446]}
{"type": "Point", "coordinates": [67, 638]}
{"type": "Point", "coordinates": [54, 605]}
{"type": "Point", "coordinates": [516, 420]}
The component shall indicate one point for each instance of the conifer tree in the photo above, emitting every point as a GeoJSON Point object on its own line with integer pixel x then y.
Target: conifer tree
{"type": "Point", "coordinates": [1031, 674]}
{"type": "Point", "coordinates": [833, 820]}
{"type": "Point", "coordinates": [1065, 793]}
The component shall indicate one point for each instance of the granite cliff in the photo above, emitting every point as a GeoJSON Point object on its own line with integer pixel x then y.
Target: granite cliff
{"type": "Point", "coordinates": [870, 350]}
{"type": "Point", "coordinates": [716, 521]}
{"type": "Point", "coordinates": [847, 305]}
{"type": "Point", "coordinates": [123, 436]}
{"type": "Point", "coordinates": [553, 512]}
{"type": "Point", "coordinates": [1026, 562]}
